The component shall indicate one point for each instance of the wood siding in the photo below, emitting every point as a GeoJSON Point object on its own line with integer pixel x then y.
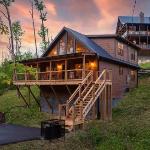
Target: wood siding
{"type": "Point", "coordinates": [119, 82]}
{"type": "Point", "coordinates": [111, 46]}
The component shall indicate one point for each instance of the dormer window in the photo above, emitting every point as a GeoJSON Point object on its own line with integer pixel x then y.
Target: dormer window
{"type": "Point", "coordinates": [120, 49]}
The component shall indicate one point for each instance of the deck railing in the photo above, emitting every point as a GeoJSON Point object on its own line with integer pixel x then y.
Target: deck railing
{"type": "Point", "coordinates": [74, 74]}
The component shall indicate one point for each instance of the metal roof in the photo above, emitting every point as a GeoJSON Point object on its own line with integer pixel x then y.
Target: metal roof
{"type": "Point", "coordinates": [134, 19]}
{"type": "Point", "coordinates": [91, 45]}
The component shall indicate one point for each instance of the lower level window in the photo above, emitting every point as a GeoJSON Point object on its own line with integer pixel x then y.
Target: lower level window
{"type": "Point", "coordinates": [133, 75]}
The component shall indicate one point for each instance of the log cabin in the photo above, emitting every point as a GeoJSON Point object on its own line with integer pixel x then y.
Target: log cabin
{"type": "Point", "coordinates": [79, 75]}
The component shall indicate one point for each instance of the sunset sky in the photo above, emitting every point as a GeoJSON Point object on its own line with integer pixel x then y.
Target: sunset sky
{"type": "Point", "coordinates": [85, 16]}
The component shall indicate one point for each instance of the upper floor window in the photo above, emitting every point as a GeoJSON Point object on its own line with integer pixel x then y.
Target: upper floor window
{"type": "Point", "coordinates": [132, 28]}
{"type": "Point", "coordinates": [70, 44]}
{"type": "Point", "coordinates": [53, 51]}
{"type": "Point", "coordinates": [80, 48]}
{"type": "Point", "coordinates": [133, 56]}
{"type": "Point", "coordinates": [120, 49]}
{"type": "Point", "coordinates": [62, 45]}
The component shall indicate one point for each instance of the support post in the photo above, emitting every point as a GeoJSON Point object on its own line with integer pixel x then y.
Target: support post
{"type": "Point", "coordinates": [22, 96]}
{"type": "Point", "coordinates": [29, 95]}
{"type": "Point", "coordinates": [34, 96]}
{"type": "Point", "coordinates": [83, 73]}
{"type": "Point", "coordinates": [66, 70]}
{"type": "Point", "coordinates": [50, 70]}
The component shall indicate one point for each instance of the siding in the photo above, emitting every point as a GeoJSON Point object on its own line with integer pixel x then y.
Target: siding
{"type": "Point", "coordinates": [119, 82]}
{"type": "Point", "coordinates": [111, 46]}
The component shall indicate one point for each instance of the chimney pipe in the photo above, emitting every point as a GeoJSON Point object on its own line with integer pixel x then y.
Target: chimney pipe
{"type": "Point", "coordinates": [141, 17]}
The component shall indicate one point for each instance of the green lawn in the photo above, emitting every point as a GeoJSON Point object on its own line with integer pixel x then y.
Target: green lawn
{"type": "Point", "coordinates": [145, 65]}
{"type": "Point", "coordinates": [129, 130]}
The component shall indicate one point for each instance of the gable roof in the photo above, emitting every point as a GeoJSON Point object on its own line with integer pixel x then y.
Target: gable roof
{"type": "Point", "coordinates": [134, 19]}
{"type": "Point", "coordinates": [91, 45]}
{"type": "Point", "coordinates": [84, 40]}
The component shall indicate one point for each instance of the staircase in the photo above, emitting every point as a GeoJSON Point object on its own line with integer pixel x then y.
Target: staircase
{"type": "Point", "coordinates": [85, 96]}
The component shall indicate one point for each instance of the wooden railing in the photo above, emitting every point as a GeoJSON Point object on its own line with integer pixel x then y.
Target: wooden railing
{"type": "Point", "coordinates": [96, 89]}
{"type": "Point", "coordinates": [74, 74]}
{"type": "Point", "coordinates": [82, 88]}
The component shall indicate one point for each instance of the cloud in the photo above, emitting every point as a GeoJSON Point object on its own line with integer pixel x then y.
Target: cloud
{"type": "Point", "coordinates": [110, 10]}
{"type": "Point", "coordinates": [85, 16]}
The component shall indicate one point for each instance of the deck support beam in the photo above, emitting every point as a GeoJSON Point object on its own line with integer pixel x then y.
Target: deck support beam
{"type": "Point", "coordinates": [54, 92]}
{"type": "Point", "coordinates": [23, 98]}
{"type": "Point", "coordinates": [68, 90]}
{"type": "Point", "coordinates": [33, 95]}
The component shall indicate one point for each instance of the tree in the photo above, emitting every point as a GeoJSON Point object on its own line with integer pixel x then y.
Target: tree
{"type": "Point", "coordinates": [3, 28]}
{"type": "Point", "coordinates": [6, 13]}
{"type": "Point", "coordinates": [17, 33]}
{"type": "Point", "coordinates": [33, 24]}
{"type": "Point", "coordinates": [43, 30]}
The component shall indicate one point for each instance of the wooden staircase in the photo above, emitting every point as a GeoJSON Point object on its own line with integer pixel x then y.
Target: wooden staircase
{"type": "Point", "coordinates": [85, 96]}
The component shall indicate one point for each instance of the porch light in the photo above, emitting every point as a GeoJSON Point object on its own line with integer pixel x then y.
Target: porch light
{"type": "Point", "coordinates": [59, 67]}
{"type": "Point", "coordinates": [92, 65]}
{"type": "Point", "coordinates": [55, 53]}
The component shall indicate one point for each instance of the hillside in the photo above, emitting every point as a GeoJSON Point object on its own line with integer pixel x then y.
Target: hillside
{"type": "Point", "coordinates": [129, 129]}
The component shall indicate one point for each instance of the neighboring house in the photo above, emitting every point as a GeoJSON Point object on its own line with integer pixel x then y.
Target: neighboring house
{"type": "Point", "coordinates": [137, 30]}
{"type": "Point", "coordinates": [83, 73]}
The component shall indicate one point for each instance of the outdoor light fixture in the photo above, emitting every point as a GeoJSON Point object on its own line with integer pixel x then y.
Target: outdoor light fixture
{"type": "Point", "coordinates": [59, 67]}
{"type": "Point", "coordinates": [92, 65]}
{"type": "Point", "coordinates": [55, 53]}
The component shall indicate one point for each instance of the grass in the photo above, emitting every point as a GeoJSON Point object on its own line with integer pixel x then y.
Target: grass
{"type": "Point", "coordinates": [129, 129]}
{"type": "Point", "coordinates": [145, 65]}
{"type": "Point", "coordinates": [15, 109]}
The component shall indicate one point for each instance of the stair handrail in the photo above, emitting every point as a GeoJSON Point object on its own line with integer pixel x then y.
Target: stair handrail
{"type": "Point", "coordinates": [92, 101]}
{"type": "Point", "coordinates": [101, 85]}
{"type": "Point", "coordinates": [96, 82]}
{"type": "Point", "coordinates": [80, 86]}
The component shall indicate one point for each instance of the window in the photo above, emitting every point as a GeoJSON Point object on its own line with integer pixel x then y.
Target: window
{"type": "Point", "coordinates": [70, 44]}
{"type": "Point", "coordinates": [120, 70]}
{"type": "Point", "coordinates": [132, 28]}
{"type": "Point", "coordinates": [53, 51]}
{"type": "Point", "coordinates": [133, 75]}
{"type": "Point", "coordinates": [62, 45]}
{"type": "Point", "coordinates": [120, 49]}
{"type": "Point", "coordinates": [80, 48]}
{"type": "Point", "coordinates": [133, 56]}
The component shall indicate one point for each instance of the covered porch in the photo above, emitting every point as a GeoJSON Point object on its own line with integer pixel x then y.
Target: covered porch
{"type": "Point", "coordinates": [57, 70]}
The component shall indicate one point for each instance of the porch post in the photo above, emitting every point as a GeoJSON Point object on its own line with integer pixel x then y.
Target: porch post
{"type": "Point", "coordinates": [50, 70]}
{"type": "Point", "coordinates": [83, 71]}
{"type": "Point", "coordinates": [37, 71]}
{"type": "Point", "coordinates": [66, 69]}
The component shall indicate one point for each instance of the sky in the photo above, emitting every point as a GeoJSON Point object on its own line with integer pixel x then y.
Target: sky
{"type": "Point", "coordinates": [85, 16]}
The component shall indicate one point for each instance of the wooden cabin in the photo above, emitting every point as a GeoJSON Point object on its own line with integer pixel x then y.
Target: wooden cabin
{"type": "Point", "coordinates": [79, 75]}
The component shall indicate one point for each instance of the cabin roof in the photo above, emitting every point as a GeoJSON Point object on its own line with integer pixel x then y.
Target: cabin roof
{"type": "Point", "coordinates": [85, 41]}
{"type": "Point", "coordinates": [115, 36]}
{"type": "Point", "coordinates": [91, 45]}
{"type": "Point", "coordinates": [134, 19]}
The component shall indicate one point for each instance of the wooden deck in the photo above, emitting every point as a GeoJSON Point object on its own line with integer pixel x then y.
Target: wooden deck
{"type": "Point", "coordinates": [48, 82]}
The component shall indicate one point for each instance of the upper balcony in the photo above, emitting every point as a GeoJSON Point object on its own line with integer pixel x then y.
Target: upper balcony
{"type": "Point", "coordinates": [57, 70]}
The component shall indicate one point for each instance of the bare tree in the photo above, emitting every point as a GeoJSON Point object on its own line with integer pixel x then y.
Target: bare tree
{"type": "Point", "coordinates": [6, 13]}
{"type": "Point", "coordinates": [33, 24]}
